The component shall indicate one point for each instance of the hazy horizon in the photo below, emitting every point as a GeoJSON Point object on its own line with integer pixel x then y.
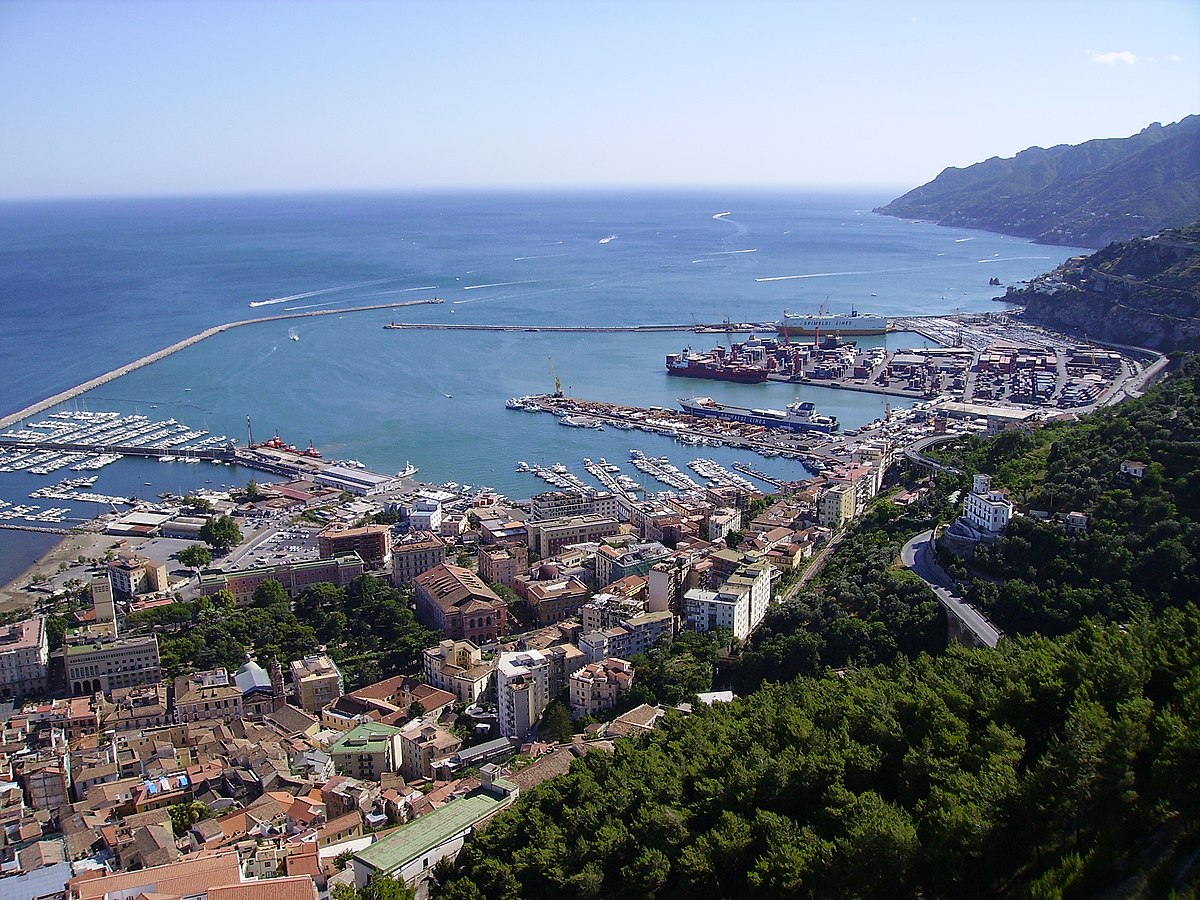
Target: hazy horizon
{"type": "Point", "coordinates": [125, 98]}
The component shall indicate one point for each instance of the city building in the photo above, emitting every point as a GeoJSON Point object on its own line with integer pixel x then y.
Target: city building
{"type": "Point", "coordinates": [555, 600]}
{"type": "Point", "coordinates": [207, 695]}
{"type": "Point", "coordinates": [373, 544]}
{"type": "Point", "coordinates": [459, 667]}
{"type": "Point", "coordinates": [563, 659]}
{"type": "Point", "coordinates": [836, 506]}
{"type": "Point", "coordinates": [421, 745]}
{"type": "Point", "coordinates": [294, 577]}
{"type": "Point", "coordinates": [608, 611]}
{"type": "Point", "coordinates": [410, 852]}
{"type": "Point", "coordinates": [597, 686]}
{"type": "Point", "coordinates": [457, 603]}
{"type": "Point", "coordinates": [359, 482]}
{"type": "Point", "coordinates": [105, 605]}
{"type": "Point", "coordinates": [100, 666]}
{"type": "Point", "coordinates": [426, 515]}
{"type": "Point", "coordinates": [24, 659]}
{"type": "Point", "coordinates": [318, 682]}
{"type": "Point", "coordinates": [614, 563]}
{"type": "Point", "coordinates": [367, 752]}
{"type": "Point", "coordinates": [738, 606]}
{"type": "Point", "coordinates": [568, 504]}
{"type": "Point", "coordinates": [548, 537]}
{"type": "Point", "coordinates": [987, 510]}
{"type": "Point", "coordinates": [522, 691]}
{"type": "Point", "coordinates": [502, 565]}
{"type": "Point", "coordinates": [414, 554]}
{"type": "Point", "coordinates": [631, 636]}
{"type": "Point", "coordinates": [132, 575]}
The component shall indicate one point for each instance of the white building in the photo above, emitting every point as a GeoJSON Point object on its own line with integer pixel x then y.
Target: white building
{"type": "Point", "coordinates": [426, 515]}
{"type": "Point", "coordinates": [738, 606]}
{"type": "Point", "coordinates": [987, 510]}
{"type": "Point", "coordinates": [522, 691]}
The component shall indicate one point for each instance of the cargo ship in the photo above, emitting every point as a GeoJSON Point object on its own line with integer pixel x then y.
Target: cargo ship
{"type": "Point", "coordinates": [800, 415]}
{"type": "Point", "coordinates": [852, 322]}
{"type": "Point", "coordinates": [713, 365]}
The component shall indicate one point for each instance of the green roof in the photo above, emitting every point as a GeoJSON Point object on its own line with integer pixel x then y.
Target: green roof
{"type": "Point", "coordinates": [364, 738]}
{"type": "Point", "coordinates": [429, 831]}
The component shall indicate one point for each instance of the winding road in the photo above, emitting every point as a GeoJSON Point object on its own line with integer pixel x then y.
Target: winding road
{"type": "Point", "coordinates": [965, 620]}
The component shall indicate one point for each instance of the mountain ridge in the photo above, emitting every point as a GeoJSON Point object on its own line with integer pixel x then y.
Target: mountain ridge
{"type": "Point", "coordinates": [1084, 195]}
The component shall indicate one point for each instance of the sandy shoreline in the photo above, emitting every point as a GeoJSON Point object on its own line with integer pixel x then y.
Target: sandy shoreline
{"type": "Point", "coordinates": [16, 594]}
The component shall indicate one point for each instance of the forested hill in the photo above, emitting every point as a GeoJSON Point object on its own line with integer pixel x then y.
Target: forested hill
{"type": "Point", "coordinates": [1085, 195]}
{"type": "Point", "coordinates": [1066, 762]}
{"type": "Point", "coordinates": [1144, 293]}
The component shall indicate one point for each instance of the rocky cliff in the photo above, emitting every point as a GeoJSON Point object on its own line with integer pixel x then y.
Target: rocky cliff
{"type": "Point", "coordinates": [1086, 195]}
{"type": "Point", "coordinates": [1144, 293]}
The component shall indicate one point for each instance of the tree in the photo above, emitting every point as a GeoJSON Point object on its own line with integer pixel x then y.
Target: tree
{"type": "Point", "coordinates": [556, 723]}
{"type": "Point", "coordinates": [270, 593]}
{"type": "Point", "coordinates": [221, 533]}
{"type": "Point", "coordinates": [416, 709]}
{"type": "Point", "coordinates": [252, 491]}
{"type": "Point", "coordinates": [380, 888]}
{"type": "Point", "coordinates": [196, 504]}
{"type": "Point", "coordinates": [185, 815]}
{"type": "Point", "coordinates": [195, 556]}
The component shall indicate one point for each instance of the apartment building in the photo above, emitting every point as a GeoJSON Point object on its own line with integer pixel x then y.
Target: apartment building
{"type": "Point", "coordinates": [522, 691]}
{"type": "Point", "coordinates": [318, 682]}
{"type": "Point", "coordinates": [414, 554]}
{"type": "Point", "coordinates": [367, 752]}
{"type": "Point", "coordinates": [548, 537]}
{"type": "Point", "coordinates": [24, 659]}
{"type": "Point", "coordinates": [373, 543]}
{"type": "Point", "coordinates": [738, 606]}
{"type": "Point", "coordinates": [459, 667]}
{"type": "Point", "coordinates": [207, 695]}
{"type": "Point", "coordinates": [502, 565]}
{"type": "Point", "coordinates": [598, 686]}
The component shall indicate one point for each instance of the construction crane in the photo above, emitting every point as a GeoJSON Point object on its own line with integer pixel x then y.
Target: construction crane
{"type": "Point", "coordinates": [554, 374]}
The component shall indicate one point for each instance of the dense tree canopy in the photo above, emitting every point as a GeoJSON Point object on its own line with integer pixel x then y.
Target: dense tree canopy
{"type": "Point", "coordinates": [961, 775]}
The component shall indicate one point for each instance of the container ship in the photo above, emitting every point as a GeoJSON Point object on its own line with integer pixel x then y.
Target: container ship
{"type": "Point", "coordinates": [852, 322]}
{"type": "Point", "coordinates": [714, 365]}
{"type": "Point", "coordinates": [799, 415]}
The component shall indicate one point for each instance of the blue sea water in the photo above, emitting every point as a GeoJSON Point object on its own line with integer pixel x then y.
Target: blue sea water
{"type": "Point", "coordinates": [88, 285]}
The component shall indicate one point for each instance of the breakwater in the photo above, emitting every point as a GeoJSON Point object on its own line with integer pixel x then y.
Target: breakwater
{"type": "Point", "coordinates": [69, 394]}
{"type": "Point", "coordinates": [557, 329]}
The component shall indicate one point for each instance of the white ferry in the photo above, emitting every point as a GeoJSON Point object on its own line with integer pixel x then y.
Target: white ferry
{"type": "Point", "coordinates": [799, 415]}
{"type": "Point", "coordinates": [849, 323]}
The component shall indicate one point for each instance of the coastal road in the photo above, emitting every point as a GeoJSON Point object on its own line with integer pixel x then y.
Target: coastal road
{"type": "Point", "coordinates": [917, 555]}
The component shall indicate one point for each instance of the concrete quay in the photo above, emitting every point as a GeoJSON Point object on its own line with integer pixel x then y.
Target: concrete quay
{"type": "Point", "coordinates": [555, 329]}
{"type": "Point", "coordinates": [69, 394]}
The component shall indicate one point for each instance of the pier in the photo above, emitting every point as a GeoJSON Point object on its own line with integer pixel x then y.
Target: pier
{"type": "Point", "coordinates": [69, 394]}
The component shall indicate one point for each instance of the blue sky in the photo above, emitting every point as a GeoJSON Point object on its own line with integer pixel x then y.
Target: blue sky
{"type": "Point", "coordinates": [139, 98]}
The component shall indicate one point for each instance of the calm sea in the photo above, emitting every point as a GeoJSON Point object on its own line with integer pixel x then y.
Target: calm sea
{"type": "Point", "coordinates": [88, 285]}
